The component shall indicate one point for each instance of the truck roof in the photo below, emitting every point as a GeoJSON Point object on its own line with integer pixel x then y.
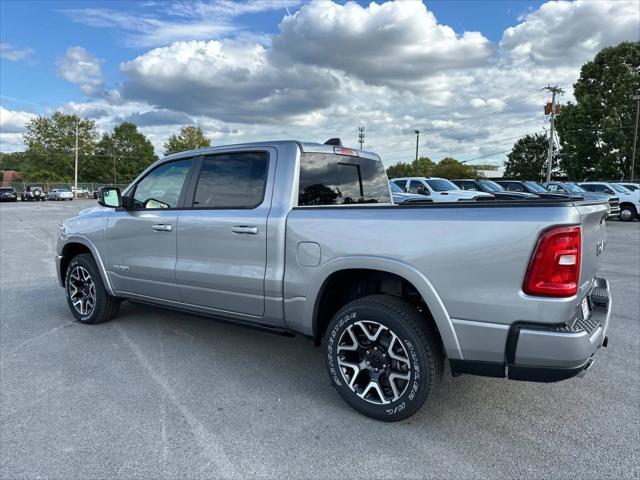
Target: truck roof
{"type": "Point", "coordinates": [309, 147]}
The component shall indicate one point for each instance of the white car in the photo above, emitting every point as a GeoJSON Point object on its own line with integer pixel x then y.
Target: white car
{"type": "Point", "coordinates": [629, 201]}
{"type": "Point", "coordinates": [60, 194]}
{"type": "Point", "coordinates": [632, 187]}
{"type": "Point", "coordinates": [438, 189]}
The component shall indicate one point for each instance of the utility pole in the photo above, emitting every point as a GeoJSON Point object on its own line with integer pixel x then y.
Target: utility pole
{"type": "Point", "coordinates": [361, 136]}
{"type": "Point", "coordinates": [635, 136]}
{"type": "Point", "coordinates": [75, 193]}
{"type": "Point", "coordinates": [417, 132]}
{"type": "Point", "coordinates": [555, 90]}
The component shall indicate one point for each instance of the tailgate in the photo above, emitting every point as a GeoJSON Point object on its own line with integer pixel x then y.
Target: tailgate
{"type": "Point", "coordinates": [593, 217]}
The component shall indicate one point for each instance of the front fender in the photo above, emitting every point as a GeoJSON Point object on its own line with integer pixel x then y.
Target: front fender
{"type": "Point", "coordinates": [66, 240]}
{"type": "Point", "coordinates": [409, 273]}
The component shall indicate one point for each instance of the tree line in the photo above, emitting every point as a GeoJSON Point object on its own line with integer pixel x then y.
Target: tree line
{"type": "Point", "coordinates": [113, 157]}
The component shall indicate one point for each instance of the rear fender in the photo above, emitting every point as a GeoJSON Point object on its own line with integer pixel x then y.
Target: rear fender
{"type": "Point", "coordinates": [409, 273]}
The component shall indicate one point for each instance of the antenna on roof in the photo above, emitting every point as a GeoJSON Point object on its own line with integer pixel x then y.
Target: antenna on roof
{"type": "Point", "coordinates": [334, 141]}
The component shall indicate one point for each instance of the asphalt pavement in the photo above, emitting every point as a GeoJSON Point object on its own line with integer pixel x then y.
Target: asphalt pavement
{"type": "Point", "coordinates": [160, 394]}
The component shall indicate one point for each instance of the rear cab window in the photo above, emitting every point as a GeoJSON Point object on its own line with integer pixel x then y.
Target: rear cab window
{"type": "Point", "coordinates": [331, 179]}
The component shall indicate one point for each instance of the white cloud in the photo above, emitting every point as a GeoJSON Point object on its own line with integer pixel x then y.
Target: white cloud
{"type": "Point", "coordinates": [561, 33]}
{"type": "Point", "coordinates": [395, 43]}
{"type": "Point", "coordinates": [13, 121]}
{"type": "Point", "coordinates": [229, 80]}
{"type": "Point", "coordinates": [12, 126]}
{"type": "Point", "coordinates": [82, 68]}
{"type": "Point", "coordinates": [11, 52]}
{"type": "Point", "coordinates": [176, 21]}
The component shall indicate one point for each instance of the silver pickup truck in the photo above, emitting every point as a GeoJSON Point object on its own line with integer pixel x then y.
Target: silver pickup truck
{"type": "Point", "coordinates": [303, 238]}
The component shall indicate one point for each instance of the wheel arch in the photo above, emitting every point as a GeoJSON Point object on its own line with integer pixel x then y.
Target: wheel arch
{"type": "Point", "coordinates": [78, 245]}
{"type": "Point", "coordinates": [391, 275]}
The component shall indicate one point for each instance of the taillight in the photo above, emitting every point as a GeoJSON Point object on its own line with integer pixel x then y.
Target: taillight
{"type": "Point", "coordinates": [554, 269]}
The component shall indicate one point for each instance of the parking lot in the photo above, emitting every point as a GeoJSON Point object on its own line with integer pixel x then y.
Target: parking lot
{"type": "Point", "coordinates": [160, 394]}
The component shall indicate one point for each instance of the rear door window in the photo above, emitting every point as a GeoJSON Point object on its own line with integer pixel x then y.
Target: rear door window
{"type": "Point", "coordinates": [331, 179]}
{"type": "Point", "coordinates": [418, 187]}
{"type": "Point", "coordinates": [232, 181]}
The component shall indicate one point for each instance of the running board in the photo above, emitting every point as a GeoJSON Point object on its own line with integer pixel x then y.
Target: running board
{"type": "Point", "coordinates": [230, 321]}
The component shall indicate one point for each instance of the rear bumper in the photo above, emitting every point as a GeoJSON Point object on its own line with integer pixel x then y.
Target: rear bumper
{"type": "Point", "coordinates": [544, 353]}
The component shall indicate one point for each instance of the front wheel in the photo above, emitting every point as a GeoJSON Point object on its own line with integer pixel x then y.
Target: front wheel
{"type": "Point", "coordinates": [383, 357]}
{"type": "Point", "coordinates": [627, 213]}
{"type": "Point", "coordinates": [88, 300]}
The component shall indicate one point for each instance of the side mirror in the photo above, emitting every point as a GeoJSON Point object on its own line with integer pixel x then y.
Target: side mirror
{"type": "Point", "coordinates": [110, 197]}
{"type": "Point", "coordinates": [608, 190]}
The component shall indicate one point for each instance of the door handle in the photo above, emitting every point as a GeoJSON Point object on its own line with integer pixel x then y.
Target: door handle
{"type": "Point", "coordinates": [161, 227]}
{"type": "Point", "coordinates": [246, 229]}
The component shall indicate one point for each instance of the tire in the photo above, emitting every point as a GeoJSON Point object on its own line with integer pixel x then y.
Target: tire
{"type": "Point", "coordinates": [81, 268]}
{"type": "Point", "coordinates": [628, 212]}
{"type": "Point", "coordinates": [397, 331]}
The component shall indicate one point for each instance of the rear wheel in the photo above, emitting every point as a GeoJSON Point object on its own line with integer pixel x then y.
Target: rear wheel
{"type": "Point", "coordinates": [383, 357]}
{"type": "Point", "coordinates": [88, 300]}
{"type": "Point", "coordinates": [628, 212]}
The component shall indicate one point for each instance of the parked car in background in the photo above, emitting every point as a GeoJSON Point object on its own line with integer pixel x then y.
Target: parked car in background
{"type": "Point", "coordinates": [489, 186]}
{"type": "Point", "coordinates": [399, 197]}
{"type": "Point", "coordinates": [533, 187]}
{"type": "Point", "coordinates": [314, 246]}
{"type": "Point", "coordinates": [632, 187]}
{"type": "Point", "coordinates": [60, 194]}
{"type": "Point", "coordinates": [33, 192]}
{"type": "Point", "coordinates": [8, 194]}
{"type": "Point", "coordinates": [574, 188]}
{"type": "Point", "coordinates": [629, 201]}
{"type": "Point", "coordinates": [438, 189]}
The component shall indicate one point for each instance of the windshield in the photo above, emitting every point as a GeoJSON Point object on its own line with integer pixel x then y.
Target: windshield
{"type": "Point", "coordinates": [441, 185]}
{"type": "Point", "coordinates": [63, 190]}
{"type": "Point", "coordinates": [573, 188]}
{"type": "Point", "coordinates": [395, 188]}
{"type": "Point", "coordinates": [493, 186]}
{"type": "Point", "coordinates": [6, 189]}
{"type": "Point", "coordinates": [534, 186]}
{"type": "Point", "coordinates": [619, 188]}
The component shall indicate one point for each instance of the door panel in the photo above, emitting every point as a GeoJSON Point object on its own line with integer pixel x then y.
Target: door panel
{"type": "Point", "coordinates": [142, 259]}
{"type": "Point", "coordinates": [142, 240]}
{"type": "Point", "coordinates": [222, 240]}
{"type": "Point", "coordinates": [219, 268]}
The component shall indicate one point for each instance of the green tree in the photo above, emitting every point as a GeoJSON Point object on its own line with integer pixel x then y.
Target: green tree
{"type": "Point", "coordinates": [400, 169]}
{"type": "Point", "coordinates": [123, 154]}
{"type": "Point", "coordinates": [189, 138]}
{"type": "Point", "coordinates": [452, 168]}
{"type": "Point", "coordinates": [596, 132]}
{"type": "Point", "coordinates": [528, 158]}
{"type": "Point", "coordinates": [423, 167]}
{"type": "Point", "coordinates": [50, 147]}
{"type": "Point", "coordinates": [12, 161]}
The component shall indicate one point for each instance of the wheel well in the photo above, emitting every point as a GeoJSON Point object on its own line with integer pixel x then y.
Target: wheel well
{"type": "Point", "coordinates": [345, 286]}
{"type": "Point", "coordinates": [69, 251]}
{"type": "Point", "coordinates": [627, 204]}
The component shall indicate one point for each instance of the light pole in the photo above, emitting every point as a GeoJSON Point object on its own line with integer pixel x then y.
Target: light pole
{"type": "Point", "coordinates": [75, 174]}
{"type": "Point", "coordinates": [417, 132]}
{"type": "Point", "coordinates": [635, 135]}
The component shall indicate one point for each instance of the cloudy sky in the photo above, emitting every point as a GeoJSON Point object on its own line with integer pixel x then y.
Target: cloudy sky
{"type": "Point", "coordinates": [467, 74]}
